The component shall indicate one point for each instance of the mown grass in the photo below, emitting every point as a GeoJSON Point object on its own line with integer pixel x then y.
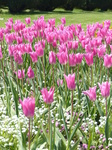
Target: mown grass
{"type": "Point", "coordinates": [72, 17]}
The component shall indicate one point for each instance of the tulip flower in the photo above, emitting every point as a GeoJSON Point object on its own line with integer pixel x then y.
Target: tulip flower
{"type": "Point", "coordinates": [18, 58]}
{"type": "Point", "coordinates": [52, 57]}
{"type": "Point", "coordinates": [48, 99]}
{"type": "Point", "coordinates": [62, 57]}
{"type": "Point", "coordinates": [108, 61]}
{"type": "Point", "coordinates": [30, 73]}
{"type": "Point", "coordinates": [33, 56]}
{"type": "Point", "coordinates": [63, 21]}
{"type": "Point", "coordinates": [91, 93]}
{"type": "Point", "coordinates": [72, 61]}
{"type": "Point", "coordinates": [59, 82]}
{"type": "Point", "coordinates": [70, 79]}
{"type": "Point", "coordinates": [105, 89]}
{"type": "Point", "coordinates": [101, 51]}
{"type": "Point", "coordinates": [28, 20]}
{"type": "Point", "coordinates": [47, 95]}
{"type": "Point", "coordinates": [78, 58]}
{"type": "Point", "coordinates": [28, 106]}
{"type": "Point", "coordinates": [39, 50]}
{"type": "Point", "coordinates": [89, 58]}
{"type": "Point", "coordinates": [20, 74]}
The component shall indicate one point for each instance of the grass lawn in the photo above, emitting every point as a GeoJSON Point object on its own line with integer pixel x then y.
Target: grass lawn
{"type": "Point", "coordinates": [72, 17]}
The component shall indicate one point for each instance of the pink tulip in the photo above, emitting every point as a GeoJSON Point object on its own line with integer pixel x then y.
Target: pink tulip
{"type": "Point", "coordinates": [72, 61]}
{"type": "Point", "coordinates": [30, 73]}
{"type": "Point", "coordinates": [18, 58]}
{"type": "Point", "coordinates": [105, 89]}
{"type": "Point", "coordinates": [69, 45]}
{"type": "Point", "coordinates": [1, 56]}
{"type": "Point", "coordinates": [21, 74]}
{"type": "Point", "coordinates": [28, 106]}
{"type": "Point", "coordinates": [1, 35]}
{"type": "Point", "coordinates": [28, 20]}
{"type": "Point", "coordinates": [52, 57]}
{"type": "Point", "coordinates": [91, 93]}
{"type": "Point", "coordinates": [33, 56]}
{"type": "Point", "coordinates": [78, 58]}
{"type": "Point", "coordinates": [101, 51]}
{"type": "Point", "coordinates": [75, 45]}
{"type": "Point", "coordinates": [47, 95]}
{"type": "Point", "coordinates": [59, 82]}
{"type": "Point", "coordinates": [108, 61]}
{"type": "Point", "coordinates": [89, 58]}
{"type": "Point", "coordinates": [63, 21]}
{"type": "Point", "coordinates": [70, 79]}
{"type": "Point", "coordinates": [11, 50]}
{"type": "Point", "coordinates": [62, 57]}
{"type": "Point", "coordinates": [39, 50]}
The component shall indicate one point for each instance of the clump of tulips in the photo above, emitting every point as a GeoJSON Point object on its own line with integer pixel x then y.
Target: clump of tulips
{"type": "Point", "coordinates": [59, 75]}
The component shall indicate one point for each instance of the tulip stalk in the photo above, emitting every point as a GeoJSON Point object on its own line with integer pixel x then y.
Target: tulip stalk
{"type": "Point", "coordinates": [108, 73]}
{"type": "Point", "coordinates": [78, 73]}
{"type": "Point", "coordinates": [29, 134]}
{"type": "Point", "coordinates": [53, 74]}
{"type": "Point", "coordinates": [34, 87]}
{"type": "Point", "coordinates": [17, 75]}
{"type": "Point", "coordinates": [72, 105]}
{"type": "Point", "coordinates": [106, 106]}
{"type": "Point", "coordinates": [43, 71]}
{"type": "Point", "coordinates": [12, 65]}
{"type": "Point", "coordinates": [100, 67]}
{"type": "Point", "coordinates": [36, 73]}
{"type": "Point", "coordinates": [91, 76]}
{"type": "Point", "coordinates": [65, 86]}
{"type": "Point", "coordinates": [49, 122]}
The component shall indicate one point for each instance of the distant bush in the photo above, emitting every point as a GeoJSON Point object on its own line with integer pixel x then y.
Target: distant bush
{"type": "Point", "coordinates": [16, 6]}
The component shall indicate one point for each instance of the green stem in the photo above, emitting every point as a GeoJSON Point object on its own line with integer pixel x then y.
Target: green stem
{"type": "Point", "coordinates": [100, 67]}
{"type": "Point", "coordinates": [49, 121]}
{"type": "Point", "coordinates": [36, 73]}
{"type": "Point", "coordinates": [65, 86]}
{"type": "Point", "coordinates": [91, 76]}
{"type": "Point", "coordinates": [78, 74]}
{"type": "Point", "coordinates": [108, 73]}
{"type": "Point", "coordinates": [53, 74]}
{"type": "Point", "coordinates": [29, 134]}
{"type": "Point", "coordinates": [34, 87]}
{"type": "Point", "coordinates": [17, 75]}
{"type": "Point", "coordinates": [12, 65]}
{"type": "Point", "coordinates": [43, 70]}
{"type": "Point", "coordinates": [106, 106]}
{"type": "Point", "coordinates": [72, 105]}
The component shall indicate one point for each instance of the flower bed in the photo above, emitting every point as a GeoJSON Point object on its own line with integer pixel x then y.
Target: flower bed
{"type": "Point", "coordinates": [55, 89]}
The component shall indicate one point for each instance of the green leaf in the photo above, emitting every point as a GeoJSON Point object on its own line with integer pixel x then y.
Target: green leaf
{"type": "Point", "coordinates": [75, 129]}
{"type": "Point", "coordinates": [75, 145]}
{"type": "Point", "coordinates": [66, 130]}
{"type": "Point", "coordinates": [61, 136]}
{"type": "Point", "coordinates": [46, 136]}
{"type": "Point", "coordinates": [15, 95]}
{"type": "Point", "coordinates": [83, 135]}
{"type": "Point", "coordinates": [99, 108]}
{"type": "Point", "coordinates": [90, 140]}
